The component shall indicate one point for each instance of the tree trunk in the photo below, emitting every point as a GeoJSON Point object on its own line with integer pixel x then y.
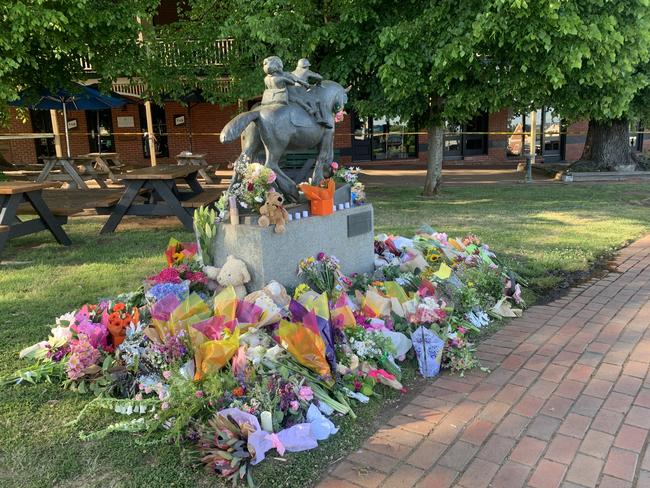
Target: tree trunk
{"type": "Point", "coordinates": [434, 161]}
{"type": "Point", "coordinates": [607, 147]}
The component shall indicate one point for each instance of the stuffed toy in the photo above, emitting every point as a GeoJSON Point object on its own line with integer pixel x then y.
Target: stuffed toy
{"type": "Point", "coordinates": [272, 212]}
{"type": "Point", "coordinates": [235, 273]}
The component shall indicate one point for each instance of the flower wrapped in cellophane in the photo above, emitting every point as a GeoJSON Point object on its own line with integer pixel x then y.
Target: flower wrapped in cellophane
{"type": "Point", "coordinates": [170, 317]}
{"type": "Point", "coordinates": [303, 340]}
{"type": "Point", "coordinates": [319, 305]}
{"type": "Point", "coordinates": [179, 252]}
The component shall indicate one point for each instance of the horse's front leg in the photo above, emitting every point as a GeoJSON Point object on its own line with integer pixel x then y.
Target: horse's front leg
{"type": "Point", "coordinates": [285, 184]}
{"type": "Point", "coordinates": [325, 156]}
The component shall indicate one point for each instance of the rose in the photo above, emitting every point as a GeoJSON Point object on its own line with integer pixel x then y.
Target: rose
{"type": "Point", "coordinates": [335, 165]}
{"type": "Point", "coordinates": [199, 394]}
{"type": "Point", "coordinates": [271, 178]}
{"type": "Point", "coordinates": [294, 405]}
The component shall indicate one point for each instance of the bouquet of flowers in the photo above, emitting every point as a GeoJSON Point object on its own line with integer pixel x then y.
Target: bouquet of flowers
{"type": "Point", "coordinates": [323, 274]}
{"type": "Point", "coordinates": [255, 181]}
{"type": "Point", "coordinates": [343, 174]}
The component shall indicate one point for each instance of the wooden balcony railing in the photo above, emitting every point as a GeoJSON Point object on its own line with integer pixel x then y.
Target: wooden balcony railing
{"type": "Point", "coordinates": [200, 53]}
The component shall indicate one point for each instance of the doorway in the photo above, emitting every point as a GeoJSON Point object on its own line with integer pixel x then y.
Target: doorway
{"type": "Point", "coordinates": [100, 131]}
{"type": "Point", "coordinates": [159, 121]}
{"type": "Point", "coordinates": [42, 122]}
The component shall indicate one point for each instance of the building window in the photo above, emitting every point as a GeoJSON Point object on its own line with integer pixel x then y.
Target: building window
{"type": "Point", "coordinates": [159, 129]}
{"type": "Point", "coordinates": [100, 130]}
{"type": "Point", "coordinates": [636, 136]}
{"type": "Point", "coordinates": [548, 138]}
{"type": "Point", "coordinates": [381, 138]}
{"type": "Point", "coordinates": [469, 139]}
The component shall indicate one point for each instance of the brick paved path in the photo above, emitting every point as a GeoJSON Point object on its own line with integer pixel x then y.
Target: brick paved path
{"type": "Point", "coordinates": [567, 402]}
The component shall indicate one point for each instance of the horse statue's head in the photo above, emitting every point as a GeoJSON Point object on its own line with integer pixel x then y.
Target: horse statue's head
{"type": "Point", "coordinates": [332, 96]}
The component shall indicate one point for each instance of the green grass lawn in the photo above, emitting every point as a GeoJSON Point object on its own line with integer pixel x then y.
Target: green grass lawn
{"type": "Point", "coordinates": [544, 231]}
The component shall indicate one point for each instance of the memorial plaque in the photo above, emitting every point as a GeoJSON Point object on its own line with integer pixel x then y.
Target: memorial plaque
{"type": "Point", "coordinates": [359, 224]}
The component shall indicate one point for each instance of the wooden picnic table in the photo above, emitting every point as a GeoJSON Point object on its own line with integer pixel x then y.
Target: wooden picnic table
{"type": "Point", "coordinates": [12, 195]}
{"type": "Point", "coordinates": [108, 162]}
{"type": "Point", "coordinates": [196, 160]}
{"type": "Point", "coordinates": [70, 172]}
{"type": "Point", "coordinates": [164, 197]}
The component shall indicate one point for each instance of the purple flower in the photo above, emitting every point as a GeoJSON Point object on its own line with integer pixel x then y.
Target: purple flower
{"type": "Point", "coordinates": [320, 256]}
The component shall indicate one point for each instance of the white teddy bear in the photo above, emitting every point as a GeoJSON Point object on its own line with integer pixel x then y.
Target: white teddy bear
{"type": "Point", "coordinates": [234, 273]}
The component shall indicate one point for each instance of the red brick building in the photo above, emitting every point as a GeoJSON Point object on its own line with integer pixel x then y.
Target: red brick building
{"type": "Point", "coordinates": [488, 138]}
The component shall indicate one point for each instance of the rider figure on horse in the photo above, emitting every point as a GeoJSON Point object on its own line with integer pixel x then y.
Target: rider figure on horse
{"type": "Point", "coordinates": [277, 81]}
{"type": "Point", "coordinates": [302, 72]}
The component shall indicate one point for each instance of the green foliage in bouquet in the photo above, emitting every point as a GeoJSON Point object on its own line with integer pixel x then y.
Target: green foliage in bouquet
{"type": "Point", "coordinates": [205, 228]}
{"type": "Point", "coordinates": [223, 447]}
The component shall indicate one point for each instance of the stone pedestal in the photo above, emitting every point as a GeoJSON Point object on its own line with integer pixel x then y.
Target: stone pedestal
{"type": "Point", "coordinates": [347, 234]}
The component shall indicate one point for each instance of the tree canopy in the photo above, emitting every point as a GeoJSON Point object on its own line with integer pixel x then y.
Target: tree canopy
{"type": "Point", "coordinates": [42, 43]}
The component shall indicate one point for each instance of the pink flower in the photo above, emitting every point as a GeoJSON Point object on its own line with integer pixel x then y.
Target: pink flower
{"type": "Point", "coordinates": [272, 177]}
{"type": "Point", "coordinates": [164, 405]}
{"type": "Point", "coordinates": [167, 374]}
{"type": "Point", "coordinates": [199, 394]}
{"type": "Point", "coordinates": [339, 116]}
{"type": "Point", "coordinates": [294, 405]}
{"type": "Point", "coordinates": [167, 275]}
{"type": "Point", "coordinates": [335, 165]}
{"type": "Point", "coordinates": [306, 393]}
{"type": "Point", "coordinates": [462, 330]}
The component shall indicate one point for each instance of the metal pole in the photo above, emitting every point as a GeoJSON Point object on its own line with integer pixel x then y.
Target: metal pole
{"type": "Point", "coordinates": [65, 127]}
{"type": "Point", "coordinates": [57, 137]}
{"type": "Point", "coordinates": [152, 143]}
{"type": "Point", "coordinates": [531, 147]}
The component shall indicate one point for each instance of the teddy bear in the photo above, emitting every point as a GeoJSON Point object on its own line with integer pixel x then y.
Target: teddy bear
{"type": "Point", "coordinates": [235, 273]}
{"type": "Point", "coordinates": [272, 212]}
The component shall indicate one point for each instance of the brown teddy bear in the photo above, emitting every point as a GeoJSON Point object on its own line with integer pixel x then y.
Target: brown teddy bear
{"type": "Point", "coordinates": [272, 212]}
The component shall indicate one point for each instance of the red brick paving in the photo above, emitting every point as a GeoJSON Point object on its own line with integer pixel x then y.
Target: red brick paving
{"type": "Point", "coordinates": [567, 402]}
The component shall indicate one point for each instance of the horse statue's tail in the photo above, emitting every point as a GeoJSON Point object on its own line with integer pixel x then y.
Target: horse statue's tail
{"type": "Point", "coordinates": [236, 126]}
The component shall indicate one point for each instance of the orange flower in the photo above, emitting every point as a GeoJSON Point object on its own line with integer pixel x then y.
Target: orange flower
{"type": "Point", "coordinates": [119, 307]}
{"type": "Point", "coordinates": [238, 392]}
{"type": "Point", "coordinates": [114, 320]}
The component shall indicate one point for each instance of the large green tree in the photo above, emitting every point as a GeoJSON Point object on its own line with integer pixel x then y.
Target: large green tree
{"type": "Point", "coordinates": [43, 42]}
{"type": "Point", "coordinates": [428, 62]}
{"type": "Point", "coordinates": [588, 59]}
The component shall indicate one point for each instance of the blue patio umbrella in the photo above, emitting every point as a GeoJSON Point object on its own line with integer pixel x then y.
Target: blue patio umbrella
{"type": "Point", "coordinates": [79, 98]}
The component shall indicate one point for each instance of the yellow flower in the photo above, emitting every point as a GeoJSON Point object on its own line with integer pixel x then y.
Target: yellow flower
{"type": "Point", "coordinates": [300, 290]}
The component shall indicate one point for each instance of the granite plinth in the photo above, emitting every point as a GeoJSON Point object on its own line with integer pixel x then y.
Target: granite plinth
{"type": "Point", "coordinates": [347, 234]}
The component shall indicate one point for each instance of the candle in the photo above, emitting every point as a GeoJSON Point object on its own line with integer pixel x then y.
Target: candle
{"type": "Point", "coordinates": [297, 216]}
{"type": "Point", "coordinates": [290, 216]}
{"type": "Point", "coordinates": [347, 205]}
{"type": "Point", "coordinates": [305, 214]}
{"type": "Point", "coordinates": [267, 421]}
{"type": "Point", "coordinates": [341, 206]}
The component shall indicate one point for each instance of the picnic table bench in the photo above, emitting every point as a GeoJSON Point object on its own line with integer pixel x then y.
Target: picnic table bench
{"type": "Point", "coordinates": [15, 193]}
{"type": "Point", "coordinates": [107, 163]}
{"type": "Point", "coordinates": [164, 196]}
{"type": "Point", "coordinates": [298, 165]}
{"type": "Point", "coordinates": [199, 161]}
{"type": "Point", "coordinates": [70, 173]}
{"type": "Point", "coordinates": [72, 202]}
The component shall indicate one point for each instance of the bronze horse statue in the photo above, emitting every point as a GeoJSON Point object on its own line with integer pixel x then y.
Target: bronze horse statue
{"type": "Point", "coordinates": [277, 128]}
